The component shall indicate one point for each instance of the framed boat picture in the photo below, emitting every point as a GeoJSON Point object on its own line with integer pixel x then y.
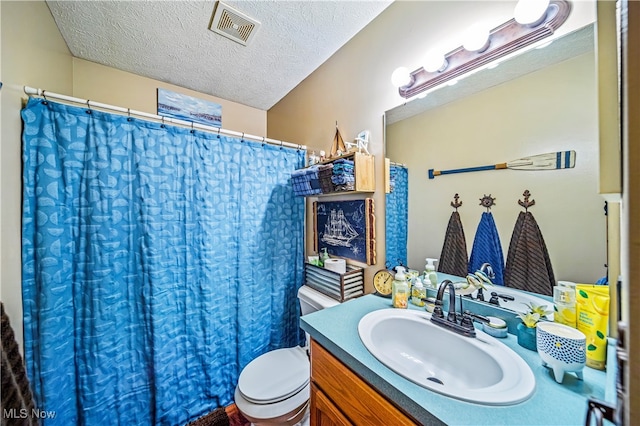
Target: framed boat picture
{"type": "Point", "coordinates": [346, 229]}
{"type": "Point", "coordinates": [188, 108]}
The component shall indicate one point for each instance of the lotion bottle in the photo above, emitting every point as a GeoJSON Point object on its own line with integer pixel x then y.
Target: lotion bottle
{"type": "Point", "coordinates": [400, 289]}
{"type": "Point", "coordinates": [430, 275]}
{"type": "Point", "coordinates": [418, 293]}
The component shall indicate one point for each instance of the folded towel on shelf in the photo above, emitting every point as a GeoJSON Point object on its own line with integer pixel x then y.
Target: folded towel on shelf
{"type": "Point", "coordinates": [343, 166]}
{"type": "Point", "coordinates": [313, 180]}
{"type": "Point", "coordinates": [305, 181]}
{"type": "Point", "coordinates": [325, 172]}
{"type": "Point", "coordinates": [346, 187]}
{"type": "Point", "coordinates": [393, 172]}
{"type": "Point", "coordinates": [342, 179]}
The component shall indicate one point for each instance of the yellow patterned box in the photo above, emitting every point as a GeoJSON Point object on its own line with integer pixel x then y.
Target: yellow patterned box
{"type": "Point", "coordinates": [592, 305]}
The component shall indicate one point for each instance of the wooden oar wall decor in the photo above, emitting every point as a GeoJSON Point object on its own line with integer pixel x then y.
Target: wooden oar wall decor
{"type": "Point", "coordinates": [548, 161]}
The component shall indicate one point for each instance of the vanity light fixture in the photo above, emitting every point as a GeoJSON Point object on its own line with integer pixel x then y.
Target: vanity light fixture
{"type": "Point", "coordinates": [531, 12]}
{"type": "Point", "coordinates": [435, 61]}
{"type": "Point", "coordinates": [476, 39]}
{"type": "Point", "coordinates": [400, 77]}
{"type": "Point", "coordinates": [535, 20]}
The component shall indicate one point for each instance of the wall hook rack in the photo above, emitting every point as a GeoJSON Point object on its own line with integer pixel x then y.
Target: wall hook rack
{"type": "Point", "coordinates": [487, 201]}
{"type": "Point", "coordinates": [455, 203]}
{"type": "Point", "coordinates": [526, 203]}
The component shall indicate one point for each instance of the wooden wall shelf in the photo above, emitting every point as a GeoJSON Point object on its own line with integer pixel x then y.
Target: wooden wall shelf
{"type": "Point", "coordinates": [364, 172]}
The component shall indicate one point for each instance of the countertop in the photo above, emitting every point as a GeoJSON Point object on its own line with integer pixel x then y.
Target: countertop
{"type": "Point", "coordinates": [336, 329]}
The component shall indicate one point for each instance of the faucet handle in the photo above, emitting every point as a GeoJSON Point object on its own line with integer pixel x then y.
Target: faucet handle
{"type": "Point", "coordinates": [468, 317]}
{"type": "Point", "coordinates": [437, 310]}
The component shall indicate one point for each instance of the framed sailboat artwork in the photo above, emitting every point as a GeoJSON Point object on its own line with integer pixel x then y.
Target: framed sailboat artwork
{"type": "Point", "coordinates": [346, 229]}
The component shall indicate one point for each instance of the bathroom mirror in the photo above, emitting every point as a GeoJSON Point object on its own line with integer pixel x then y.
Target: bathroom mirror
{"type": "Point", "coordinates": [543, 100]}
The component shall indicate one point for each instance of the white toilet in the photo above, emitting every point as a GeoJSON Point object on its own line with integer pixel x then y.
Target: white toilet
{"type": "Point", "coordinates": [273, 389]}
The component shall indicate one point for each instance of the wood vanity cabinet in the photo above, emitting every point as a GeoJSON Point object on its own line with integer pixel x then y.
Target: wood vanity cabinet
{"type": "Point", "coordinates": [340, 397]}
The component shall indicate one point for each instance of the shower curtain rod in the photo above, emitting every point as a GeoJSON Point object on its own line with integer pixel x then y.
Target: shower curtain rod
{"type": "Point", "coordinates": [46, 94]}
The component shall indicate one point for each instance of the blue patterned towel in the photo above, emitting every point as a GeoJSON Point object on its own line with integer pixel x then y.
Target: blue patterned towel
{"type": "Point", "coordinates": [487, 248]}
{"type": "Point", "coordinates": [305, 181]}
{"type": "Point", "coordinates": [342, 179]}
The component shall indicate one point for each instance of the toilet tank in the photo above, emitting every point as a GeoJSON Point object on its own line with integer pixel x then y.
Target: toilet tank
{"type": "Point", "coordinates": [312, 300]}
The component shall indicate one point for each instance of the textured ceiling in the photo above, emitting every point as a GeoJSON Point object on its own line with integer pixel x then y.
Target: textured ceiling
{"type": "Point", "coordinates": [170, 41]}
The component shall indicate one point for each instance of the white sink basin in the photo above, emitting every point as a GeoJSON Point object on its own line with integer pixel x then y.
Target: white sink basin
{"type": "Point", "coordinates": [481, 369]}
{"type": "Point", "coordinates": [520, 302]}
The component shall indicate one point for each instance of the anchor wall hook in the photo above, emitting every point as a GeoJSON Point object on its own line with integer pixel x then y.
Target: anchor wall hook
{"type": "Point", "coordinates": [526, 203]}
{"type": "Point", "coordinates": [455, 204]}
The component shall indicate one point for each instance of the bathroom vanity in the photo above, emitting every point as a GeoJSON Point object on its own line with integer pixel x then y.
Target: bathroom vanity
{"type": "Point", "coordinates": [335, 390]}
{"type": "Point", "coordinates": [350, 386]}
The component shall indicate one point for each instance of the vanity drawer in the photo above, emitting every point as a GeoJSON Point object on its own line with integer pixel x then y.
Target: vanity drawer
{"type": "Point", "coordinates": [362, 404]}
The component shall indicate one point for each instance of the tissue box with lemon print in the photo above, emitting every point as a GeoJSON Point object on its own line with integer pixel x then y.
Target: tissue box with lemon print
{"type": "Point", "coordinates": [592, 306]}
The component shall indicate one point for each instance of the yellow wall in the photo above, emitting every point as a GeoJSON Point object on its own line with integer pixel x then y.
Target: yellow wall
{"type": "Point", "coordinates": [33, 53]}
{"type": "Point", "coordinates": [111, 86]}
{"type": "Point", "coordinates": [554, 109]}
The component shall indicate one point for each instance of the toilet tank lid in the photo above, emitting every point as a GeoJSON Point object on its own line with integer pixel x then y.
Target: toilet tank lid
{"type": "Point", "coordinates": [275, 376]}
{"type": "Point", "coordinates": [315, 298]}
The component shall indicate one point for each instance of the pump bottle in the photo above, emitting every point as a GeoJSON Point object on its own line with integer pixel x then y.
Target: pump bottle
{"type": "Point", "coordinates": [418, 293]}
{"type": "Point", "coordinates": [430, 275]}
{"type": "Point", "coordinates": [400, 289]}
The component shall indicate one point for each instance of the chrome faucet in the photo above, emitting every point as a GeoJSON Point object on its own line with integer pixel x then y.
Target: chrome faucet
{"type": "Point", "coordinates": [487, 271]}
{"type": "Point", "coordinates": [465, 325]}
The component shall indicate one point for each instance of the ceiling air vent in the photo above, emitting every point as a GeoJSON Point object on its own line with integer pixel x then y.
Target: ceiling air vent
{"type": "Point", "coordinates": [233, 24]}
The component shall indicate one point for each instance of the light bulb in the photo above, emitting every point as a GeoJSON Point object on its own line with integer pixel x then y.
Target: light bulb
{"type": "Point", "coordinates": [400, 77]}
{"type": "Point", "coordinates": [476, 38]}
{"type": "Point", "coordinates": [531, 12]}
{"type": "Point", "coordinates": [434, 61]}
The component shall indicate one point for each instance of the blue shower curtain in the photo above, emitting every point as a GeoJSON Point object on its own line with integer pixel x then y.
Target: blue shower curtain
{"type": "Point", "coordinates": [397, 217]}
{"type": "Point", "coordinates": [157, 262]}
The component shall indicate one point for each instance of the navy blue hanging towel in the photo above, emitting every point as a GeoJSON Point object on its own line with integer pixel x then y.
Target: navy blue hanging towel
{"type": "Point", "coordinates": [487, 248]}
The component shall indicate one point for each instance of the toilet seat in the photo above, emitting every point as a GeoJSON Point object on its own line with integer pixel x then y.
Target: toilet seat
{"type": "Point", "coordinates": [275, 376]}
{"type": "Point", "coordinates": [289, 411]}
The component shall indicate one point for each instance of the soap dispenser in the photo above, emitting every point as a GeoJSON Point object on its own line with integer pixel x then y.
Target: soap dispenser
{"type": "Point", "coordinates": [430, 275]}
{"type": "Point", "coordinates": [400, 289]}
{"type": "Point", "coordinates": [323, 256]}
{"type": "Point", "coordinates": [418, 293]}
